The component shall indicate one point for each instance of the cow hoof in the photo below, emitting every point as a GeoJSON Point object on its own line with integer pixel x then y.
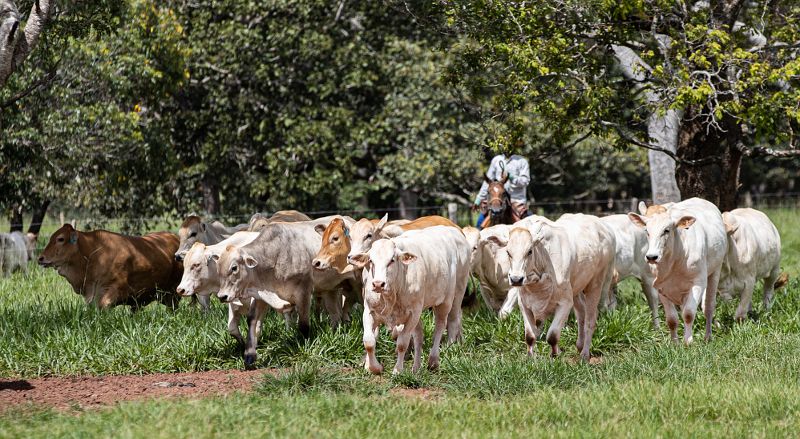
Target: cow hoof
{"type": "Point", "coordinates": [249, 361]}
{"type": "Point", "coordinates": [376, 370]}
{"type": "Point", "coordinates": [433, 364]}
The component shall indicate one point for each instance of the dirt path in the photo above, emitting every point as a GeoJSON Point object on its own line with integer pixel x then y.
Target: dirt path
{"type": "Point", "coordinates": [85, 392]}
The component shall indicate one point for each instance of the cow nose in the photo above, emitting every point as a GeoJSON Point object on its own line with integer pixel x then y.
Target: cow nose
{"type": "Point", "coordinates": [317, 263]}
{"type": "Point", "coordinates": [223, 298]}
{"type": "Point", "coordinates": [378, 284]}
{"type": "Point", "coordinates": [41, 258]}
{"type": "Point", "coordinates": [178, 257]}
{"type": "Point", "coordinates": [516, 280]}
{"type": "Point", "coordinates": [182, 291]}
{"type": "Point", "coordinates": [651, 258]}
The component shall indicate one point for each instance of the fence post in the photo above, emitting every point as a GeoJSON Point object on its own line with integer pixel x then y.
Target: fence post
{"type": "Point", "coordinates": [634, 204]}
{"type": "Point", "coordinates": [452, 210]}
{"type": "Point", "coordinates": [748, 199]}
{"type": "Point", "coordinates": [61, 218]}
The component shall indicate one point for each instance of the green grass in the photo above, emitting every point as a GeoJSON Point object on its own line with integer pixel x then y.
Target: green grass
{"type": "Point", "coordinates": [743, 383]}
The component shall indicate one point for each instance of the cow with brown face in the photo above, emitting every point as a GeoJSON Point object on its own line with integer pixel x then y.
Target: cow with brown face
{"type": "Point", "coordinates": [110, 269]}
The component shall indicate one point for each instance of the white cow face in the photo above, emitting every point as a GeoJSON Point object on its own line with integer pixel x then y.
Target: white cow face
{"type": "Point", "coordinates": [661, 230]}
{"type": "Point", "coordinates": [191, 231]}
{"type": "Point", "coordinates": [235, 269]}
{"type": "Point", "coordinates": [527, 262]}
{"type": "Point", "coordinates": [363, 234]}
{"type": "Point", "coordinates": [198, 269]}
{"type": "Point", "coordinates": [386, 264]}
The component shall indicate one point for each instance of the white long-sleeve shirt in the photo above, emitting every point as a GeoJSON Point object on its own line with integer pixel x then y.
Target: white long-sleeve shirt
{"type": "Point", "coordinates": [519, 175]}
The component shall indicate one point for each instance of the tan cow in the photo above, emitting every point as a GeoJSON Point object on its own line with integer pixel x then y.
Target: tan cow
{"type": "Point", "coordinates": [110, 269]}
{"type": "Point", "coordinates": [364, 232]}
{"type": "Point", "coordinates": [259, 220]}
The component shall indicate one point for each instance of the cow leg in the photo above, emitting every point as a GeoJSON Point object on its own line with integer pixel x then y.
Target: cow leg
{"type": "Point", "coordinates": [351, 297]}
{"type": "Point", "coordinates": [454, 317]}
{"type": "Point", "coordinates": [689, 311]}
{"type": "Point", "coordinates": [233, 323]}
{"type": "Point", "coordinates": [488, 298]}
{"type": "Point", "coordinates": [580, 316]}
{"type": "Point", "coordinates": [204, 301]}
{"type": "Point", "coordinates": [303, 302]}
{"type": "Point", "coordinates": [651, 295]}
{"type": "Point", "coordinates": [370, 340]}
{"type": "Point", "coordinates": [554, 332]}
{"type": "Point", "coordinates": [403, 340]}
{"type": "Point", "coordinates": [711, 302]}
{"type": "Point", "coordinates": [745, 300]}
{"type": "Point", "coordinates": [170, 300]}
{"type": "Point", "coordinates": [440, 322]}
{"type": "Point", "coordinates": [332, 301]}
{"type": "Point", "coordinates": [508, 305]}
{"type": "Point", "coordinates": [418, 337]}
{"type": "Point", "coordinates": [671, 314]}
{"type": "Point", "coordinates": [590, 322]}
{"type": "Point", "coordinates": [254, 317]}
{"type": "Point", "coordinates": [531, 333]}
{"type": "Point", "coordinates": [769, 286]}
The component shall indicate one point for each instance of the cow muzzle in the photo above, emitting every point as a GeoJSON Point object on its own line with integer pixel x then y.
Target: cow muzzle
{"type": "Point", "coordinates": [652, 259]}
{"type": "Point", "coordinates": [319, 264]}
{"type": "Point", "coordinates": [516, 280]}
{"type": "Point", "coordinates": [179, 256]}
{"type": "Point", "coordinates": [378, 285]}
{"type": "Point", "coordinates": [43, 262]}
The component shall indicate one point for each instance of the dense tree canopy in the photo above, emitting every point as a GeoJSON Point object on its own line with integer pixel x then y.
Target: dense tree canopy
{"type": "Point", "coordinates": [142, 108]}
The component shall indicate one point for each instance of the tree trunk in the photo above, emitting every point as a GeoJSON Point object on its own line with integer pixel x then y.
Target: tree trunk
{"type": "Point", "coordinates": [211, 202]}
{"type": "Point", "coordinates": [408, 204]}
{"type": "Point", "coordinates": [16, 45]}
{"type": "Point", "coordinates": [663, 132]}
{"type": "Point", "coordinates": [16, 218]}
{"type": "Point", "coordinates": [717, 180]}
{"type": "Point", "coordinates": [38, 217]}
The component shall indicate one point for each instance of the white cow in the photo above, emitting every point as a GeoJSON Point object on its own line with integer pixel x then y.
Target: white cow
{"type": "Point", "coordinates": [754, 252]}
{"type": "Point", "coordinates": [201, 278]}
{"type": "Point", "coordinates": [14, 252]}
{"type": "Point", "coordinates": [279, 261]}
{"type": "Point", "coordinates": [559, 266]}
{"type": "Point", "coordinates": [630, 259]}
{"type": "Point", "coordinates": [686, 247]}
{"type": "Point", "coordinates": [491, 267]}
{"type": "Point", "coordinates": [420, 269]}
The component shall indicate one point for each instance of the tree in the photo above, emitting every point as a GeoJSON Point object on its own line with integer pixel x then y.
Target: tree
{"type": "Point", "coordinates": [724, 75]}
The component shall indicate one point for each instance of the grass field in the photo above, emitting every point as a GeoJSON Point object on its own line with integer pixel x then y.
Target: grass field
{"type": "Point", "coordinates": [743, 383]}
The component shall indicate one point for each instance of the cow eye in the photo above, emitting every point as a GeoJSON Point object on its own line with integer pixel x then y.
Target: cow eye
{"type": "Point", "coordinates": [666, 231]}
{"type": "Point", "coordinates": [60, 239]}
{"type": "Point", "coordinates": [234, 268]}
{"type": "Point", "coordinates": [530, 252]}
{"type": "Point", "coordinates": [391, 261]}
{"type": "Point", "coordinates": [369, 235]}
{"type": "Point", "coordinates": [335, 239]}
{"type": "Point", "coordinates": [193, 234]}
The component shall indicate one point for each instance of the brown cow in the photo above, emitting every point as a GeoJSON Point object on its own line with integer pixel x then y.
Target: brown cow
{"type": "Point", "coordinates": [110, 269]}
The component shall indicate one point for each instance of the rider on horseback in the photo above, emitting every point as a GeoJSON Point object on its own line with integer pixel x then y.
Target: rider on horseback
{"type": "Point", "coordinates": [516, 172]}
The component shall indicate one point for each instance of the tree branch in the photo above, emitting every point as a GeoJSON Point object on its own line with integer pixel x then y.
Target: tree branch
{"type": "Point", "coordinates": [14, 50]}
{"type": "Point", "coordinates": [42, 81]}
{"type": "Point", "coordinates": [633, 140]}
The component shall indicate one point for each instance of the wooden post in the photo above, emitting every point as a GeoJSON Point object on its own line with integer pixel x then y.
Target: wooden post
{"type": "Point", "coordinates": [634, 205]}
{"type": "Point", "coordinates": [60, 218]}
{"type": "Point", "coordinates": [452, 210]}
{"type": "Point", "coordinates": [748, 199]}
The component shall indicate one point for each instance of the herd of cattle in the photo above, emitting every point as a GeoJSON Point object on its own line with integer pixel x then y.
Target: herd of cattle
{"type": "Point", "coordinates": [683, 254]}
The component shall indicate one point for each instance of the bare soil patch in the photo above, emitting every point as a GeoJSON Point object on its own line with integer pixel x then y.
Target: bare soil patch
{"type": "Point", "coordinates": [86, 392]}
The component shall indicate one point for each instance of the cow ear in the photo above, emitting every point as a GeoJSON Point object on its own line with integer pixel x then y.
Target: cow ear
{"type": "Point", "coordinates": [214, 256]}
{"type": "Point", "coordinates": [685, 222]}
{"type": "Point", "coordinates": [73, 237]}
{"type": "Point", "coordinates": [407, 257]}
{"type": "Point", "coordinates": [496, 240]}
{"type": "Point", "coordinates": [731, 225]}
{"type": "Point", "coordinates": [250, 261]}
{"type": "Point", "coordinates": [320, 228]}
{"type": "Point", "coordinates": [359, 260]}
{"type": "Point", "coordinates": [642, 208]}
{"type": "Point", "coordinates": [382, 222]}
{"type": "Point", "coordinates": [638, 220]}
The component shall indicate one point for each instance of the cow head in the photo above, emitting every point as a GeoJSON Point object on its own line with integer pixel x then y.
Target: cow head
{"type": "Point", "coordinates": [63, 245]}
{"type": "Point", "coordinates": [189, 233]}
{"type": "Point", "coordinates": [529, 261]}
{"type": "Point", "coordinates": [363, 234]}
{"type": "Point", "coordinates": [235, 269]}
{"type": "Point", "coordinates": [335, 246]}
{"type": "Point", "coordinates": [199, 271]}
{"type": "Point", "coordinates": [386, 264]}
{"type": "Point", "coordinates": [661, 231]}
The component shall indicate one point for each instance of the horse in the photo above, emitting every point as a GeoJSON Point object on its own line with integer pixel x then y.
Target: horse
{"type": "Point", "coordinates": [500, 210]}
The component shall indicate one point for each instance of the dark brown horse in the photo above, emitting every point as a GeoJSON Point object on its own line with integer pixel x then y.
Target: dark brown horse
{"type": "Point", "coordinates": [500, 210]}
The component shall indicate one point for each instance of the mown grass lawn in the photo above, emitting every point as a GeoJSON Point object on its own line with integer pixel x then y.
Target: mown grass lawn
{"type": "Point", "coordinates": [745, 382]}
